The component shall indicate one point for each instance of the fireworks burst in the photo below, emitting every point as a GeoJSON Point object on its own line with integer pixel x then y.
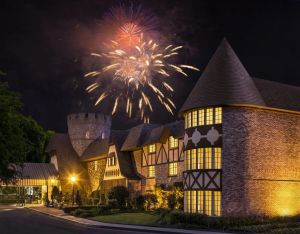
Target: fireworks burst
{"type": "Point", "coordinates": [141, 65]}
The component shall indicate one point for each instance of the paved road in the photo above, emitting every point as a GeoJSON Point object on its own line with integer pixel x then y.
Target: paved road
{"type": "Point", "coordinates": [15, 220]}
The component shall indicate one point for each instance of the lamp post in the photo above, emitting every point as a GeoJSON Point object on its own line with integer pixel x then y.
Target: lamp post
{"type": "Point", "coordinates": [52, 196]}
{"type": "Point", "coordinates": [73, 180]}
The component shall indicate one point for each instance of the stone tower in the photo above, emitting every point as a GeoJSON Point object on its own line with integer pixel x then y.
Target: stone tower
{"type": "Point", "coordinates": [84, 128]}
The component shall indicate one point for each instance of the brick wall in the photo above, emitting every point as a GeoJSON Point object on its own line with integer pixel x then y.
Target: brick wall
{"type": "Point", "coordinates": [261, 162]}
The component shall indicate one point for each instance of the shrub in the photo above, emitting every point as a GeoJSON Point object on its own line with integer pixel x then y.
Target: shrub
{"type": "Point", "coordinates": [171, 201]}
{"type": "Point", "coordinates": [120, 194]}
{"type": "Point", "coordinates": [102, 210]}
{"type": "Point", "coordinates": [150, 201]}
{"type": "Point", "coordinates": [140, 202]}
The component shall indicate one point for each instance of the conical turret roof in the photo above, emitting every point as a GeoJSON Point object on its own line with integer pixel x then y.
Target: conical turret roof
{"type": "Point", "coordinates": [224, 81]}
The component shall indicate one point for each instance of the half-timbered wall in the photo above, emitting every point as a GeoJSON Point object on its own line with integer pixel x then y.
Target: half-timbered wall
{"type": "Point", "coordinates": [202, 178]}
{"type": "Point", "coordinates": [160, 160]}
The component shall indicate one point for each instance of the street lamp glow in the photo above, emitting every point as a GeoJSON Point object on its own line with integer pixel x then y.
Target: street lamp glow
{"type": "Point", "coordinates": [73, 179]}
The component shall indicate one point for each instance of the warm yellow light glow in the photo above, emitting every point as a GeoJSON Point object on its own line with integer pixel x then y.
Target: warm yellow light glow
{"type": "Point", "coordinates": [286, 202]}
{"type": "Point", "coordinates": [52, 181]}
{"type": "Point", "coordinates": [73, 179]}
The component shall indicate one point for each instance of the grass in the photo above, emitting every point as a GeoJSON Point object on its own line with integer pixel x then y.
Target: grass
{"type": "Point", "coordinates": [138, 218]}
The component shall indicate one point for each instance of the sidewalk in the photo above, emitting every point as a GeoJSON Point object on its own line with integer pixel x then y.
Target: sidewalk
{"type": "Point", "coordinates": [60, 214]}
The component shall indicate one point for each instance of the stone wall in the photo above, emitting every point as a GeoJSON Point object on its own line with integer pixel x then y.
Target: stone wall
{"type": "Point", "coordinates": [96, 173]}
{"type": "Point", "coordinates": [260, 162]}
{"type": "Point", "coordinates": [84, 128]}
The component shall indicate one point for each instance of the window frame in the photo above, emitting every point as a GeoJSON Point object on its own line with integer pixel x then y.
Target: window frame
{"type": "Point", "coordinates": [150, 171]}
{"type": "Point", "coordinates": [173, 166]}
{"type": "Point", "coordinates": [150, 148]}
{"type": "Point", "coordinates": [173, 139]}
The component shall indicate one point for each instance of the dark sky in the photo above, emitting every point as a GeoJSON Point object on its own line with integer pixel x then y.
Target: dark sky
{"type": "Point", "coordinates": [45, 44]}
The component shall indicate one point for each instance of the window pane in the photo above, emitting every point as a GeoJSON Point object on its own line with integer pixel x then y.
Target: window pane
{"type": "Point", "coordinates": [189, 123]}
{"type": "Point", "coordinates": [208, 202]}
{"type": "Point", "coordinates": [208, 158]}
{"type": "Point", "coordinates": [152, 148]}
{"type": "Point", "coordinates": [172, 169]}
{"type": "Point", "coordinates": [193, 159]}
{"type": "Point", "coordinates": [193, 201]}
{"type": "Point", "coordinates": [173, 142]}
{"type": "Point", "coordinates": [200, 156]}
{"type": "Point", "coordinates": [209, 116]}
{"type": "Point", "coordinates": [217, 158]}
{"type": "Point", "coordinates": [194, 118]}
{"type": "Point", "coordinates": [217, 202]}
{"type": "Point", "coordinates": [201, 202]}
{"type": "Point", "coordinates": [201, 117]}
{"type": "Point", "coordinates": [151, 171]}
{"type": "Point", "coordinates": [218, 115]}
{"type": "Point", "coordinates": [188, 155]}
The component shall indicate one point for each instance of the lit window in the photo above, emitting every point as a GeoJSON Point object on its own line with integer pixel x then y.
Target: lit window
{"type": "Point", "coordinates": [208, 203]}
{"type": "Point", "coordinates": [187, 161]}
{"type": "Point", "coordinates": [193, 201]}
{"type": "Point", "coordinates": [201, 117]}
{"type": "Point", "coordinates": [188, 204]}
{"type": "Point", "coordinates": [194, 118]}
{"type": "Point", "coordinates": [111, 160]}
{"type": "Point", "coordinates": [200, 156]}
{"type": "Point", "coordinates": [217, 158]}
{"type": "Point", "coordinates": [173, 142]}
{"type": "Point", "coordinates": [209, 116]}
{"type": "Point", "coordinates": [151, 149]}
{"type": "Point", "coordinates": [193, 159]}
{"type": "Point", "coordinates": [95, 165]}
{"type": "Point", "coordinates": [218, 115]}
{"type": "Point", "coordinates": [151, 171]}
{"type": "Point", "coordinates": [217, 203]}
{"type": "Point", "coordinates": [203, 202]}
{"type": "Point", "coordinates": [172, 169]}
{"type": "Point", "coordinates": [200, 202]}
{"type": "Point", "coordinates": [208, 158]}
{"type": "Point", "coordinates": [189, 120]}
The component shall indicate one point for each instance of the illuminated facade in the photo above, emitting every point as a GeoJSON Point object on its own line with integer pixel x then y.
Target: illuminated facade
{"type": "Point", "coordinates": [236, 150]}
{"type": "Point", "coordinates": [241, 142]}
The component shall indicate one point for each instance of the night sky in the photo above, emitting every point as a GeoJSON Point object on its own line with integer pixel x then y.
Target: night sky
{"type": "Point", "coordinates": [45, 46]}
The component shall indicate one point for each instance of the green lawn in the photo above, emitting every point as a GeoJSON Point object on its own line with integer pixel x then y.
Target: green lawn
{"type": "Point", "coordinates": [129, 218]}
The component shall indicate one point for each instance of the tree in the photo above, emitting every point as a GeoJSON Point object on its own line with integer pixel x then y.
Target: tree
{"type": "Point", "coordinates": [13, 145]}
{"type": "Point", "coordinates": [21, 137]}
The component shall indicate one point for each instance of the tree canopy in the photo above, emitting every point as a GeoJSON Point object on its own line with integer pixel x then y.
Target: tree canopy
{"type": "Point", "coordinates": [21, 137]}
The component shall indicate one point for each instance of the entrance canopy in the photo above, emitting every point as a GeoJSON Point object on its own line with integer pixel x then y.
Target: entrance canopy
{"type": "Point", "coordinates": [36, 174]}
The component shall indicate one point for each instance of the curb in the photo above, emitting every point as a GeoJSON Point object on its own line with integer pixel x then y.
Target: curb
{"type": "Point", "coordinates": [125, 227]}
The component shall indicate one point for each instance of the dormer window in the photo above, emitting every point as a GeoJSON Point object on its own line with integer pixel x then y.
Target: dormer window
{"type": "Point", "coordinates": [173, 142]}
{"type": "Point", "coordinates": [152, 149]}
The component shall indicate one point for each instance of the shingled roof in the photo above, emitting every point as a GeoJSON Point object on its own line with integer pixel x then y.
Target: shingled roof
{"type": "Point", "coordinates": [67, 158]}
{"type": "Point", "coordinates": [43, 171]}
{"type": "Point", "coordinates": [136, 136]}
{"type": "Point", "coordinates": [96, 150]}
{"type": "Point", "coordinates": [224, 81]}
{"type": "Point", "coordinates": [126, 163]}
{"type": "Point", "coordinates": [278, 95]}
